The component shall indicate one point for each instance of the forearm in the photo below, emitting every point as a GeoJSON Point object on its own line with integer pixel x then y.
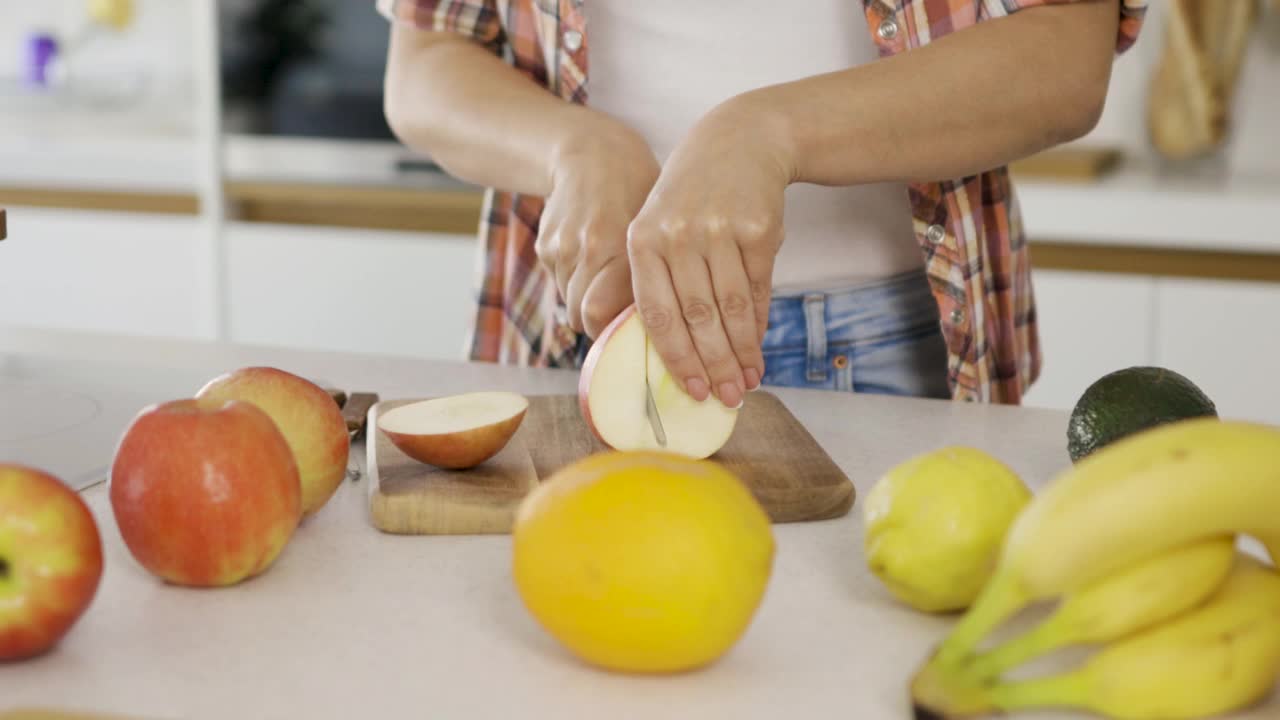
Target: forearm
{"type": "Point", "coordinates": [976, 99]}
{"type": "Point", "coordinates": [477, 117]}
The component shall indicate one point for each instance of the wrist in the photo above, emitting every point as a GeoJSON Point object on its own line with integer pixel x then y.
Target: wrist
{"type": "Point", "coordinates": [760, 125]}
{"type": "Point", "coordinates": [590, 138]}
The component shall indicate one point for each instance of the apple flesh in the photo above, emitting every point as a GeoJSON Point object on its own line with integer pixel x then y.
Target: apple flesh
{"type": "Point", "coordinates": [307, 415]}
{"type": "Point", "coordinates": [50, 561]}
{"type": "Point", "coordinates": [205, 492]}
{"type": "Point", "coordinates": [455, 432]}
{"type": "Point", "coordinates": [611, 395]}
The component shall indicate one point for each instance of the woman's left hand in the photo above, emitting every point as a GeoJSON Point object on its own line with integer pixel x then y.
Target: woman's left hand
{"type": "Point", "coordinates": [702, 250]}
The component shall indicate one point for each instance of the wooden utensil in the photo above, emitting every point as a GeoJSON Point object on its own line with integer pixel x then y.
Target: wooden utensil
{"type": "Point", "coordinates": [789, 473]}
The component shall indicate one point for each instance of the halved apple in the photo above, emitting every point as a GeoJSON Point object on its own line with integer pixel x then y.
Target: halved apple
{"type": "Point", "coordinates": [455, 432]}
{"type": "Point", "coordinates": [612, 398]}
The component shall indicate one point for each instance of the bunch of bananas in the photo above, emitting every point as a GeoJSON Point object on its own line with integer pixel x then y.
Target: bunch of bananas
{"type": "Point", "coordinates": [1138, 546]}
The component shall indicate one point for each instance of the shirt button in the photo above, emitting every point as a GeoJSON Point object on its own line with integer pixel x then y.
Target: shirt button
{"type": "Point", "coordinates": [957, 316]}
{"type": "Point", "coordinates": [573, 40]}
{"type": "Point", "coordinates": [888, 29]}
{"type": "Point", "coordinates": [935, 234]}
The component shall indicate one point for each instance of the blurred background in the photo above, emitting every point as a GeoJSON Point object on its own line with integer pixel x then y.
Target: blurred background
{"type": "Point", "coordinates": [190, 168]}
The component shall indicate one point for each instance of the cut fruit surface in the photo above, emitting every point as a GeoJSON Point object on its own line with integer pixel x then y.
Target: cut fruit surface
{"type": "Point", "coordinates": [611, 394]}
{"type": "Point", "coordinates": [458, 431]}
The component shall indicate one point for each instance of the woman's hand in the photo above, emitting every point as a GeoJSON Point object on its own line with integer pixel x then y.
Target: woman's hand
{"type": "Point", "coordinates": [600, 180]}
{"type": "Point", "coordinates": [702, 251]}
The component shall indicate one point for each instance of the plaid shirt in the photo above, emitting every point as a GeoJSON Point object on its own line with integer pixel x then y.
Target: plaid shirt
{"type": "Point", "coordinates": [969, 229]}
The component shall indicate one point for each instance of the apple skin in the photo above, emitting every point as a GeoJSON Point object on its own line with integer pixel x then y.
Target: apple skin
{"type": "Point", "coordinates": [589, 366]}
{"type": "Point", "coordinates": [51, 558]}
{"type": "Point", "coordinates": [307, 415]}
{"type": "Point", "coordinates": [460, 450]}
{"type": "Point", "coordinates": [205, 492]}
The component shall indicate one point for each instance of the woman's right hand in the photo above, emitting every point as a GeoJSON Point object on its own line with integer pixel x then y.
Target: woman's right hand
{"type": "Point", "coordinates": [601, 177]}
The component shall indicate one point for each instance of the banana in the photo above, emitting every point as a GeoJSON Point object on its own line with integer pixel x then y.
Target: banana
{"type": "Point", "coordinates": [1219, 658]}
{"type": "Point", "coordinates": [1130, 501]}
{"type": "Point", "coordinates": [1135, 598]}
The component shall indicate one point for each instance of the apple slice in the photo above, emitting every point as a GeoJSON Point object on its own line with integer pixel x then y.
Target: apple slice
{"type": "Point", "coordinates": [455, 432]}
{"type": "Point", "coordinates": [611, 396]}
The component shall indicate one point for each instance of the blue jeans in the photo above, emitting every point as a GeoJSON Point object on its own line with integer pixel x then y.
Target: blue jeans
{"type": "Point", "coordinates": [878, 337]}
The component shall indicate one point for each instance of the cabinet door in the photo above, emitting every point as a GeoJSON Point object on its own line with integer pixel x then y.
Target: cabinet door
{"type": "Point", "coordinates": [350, 290]}
{"type": "Point", "coordinates": [103, 272]}
{"type": "Point", "coordinates": [1090, 324]}
{"type": "Point", "coordinates": [1225, 337]}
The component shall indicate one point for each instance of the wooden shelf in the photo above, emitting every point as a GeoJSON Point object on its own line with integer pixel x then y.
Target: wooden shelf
{"type": "Point", "coordinates": [377, 208]}
{"type": "Point", "coordinates": [362, 207]}
{"type": "Point", "coordinates": [1159, 262]}
{"type": "Point", "coordinates": [140, 201]}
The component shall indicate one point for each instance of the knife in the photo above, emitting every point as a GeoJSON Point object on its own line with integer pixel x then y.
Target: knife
{"type": "Point", "coordinates": [650, 407]}
{"type": "Point", "coordinates": [355, 413]}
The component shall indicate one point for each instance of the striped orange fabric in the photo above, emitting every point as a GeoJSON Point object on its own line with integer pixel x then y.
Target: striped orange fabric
{"type": "Point", "coordinates": [969, 229]}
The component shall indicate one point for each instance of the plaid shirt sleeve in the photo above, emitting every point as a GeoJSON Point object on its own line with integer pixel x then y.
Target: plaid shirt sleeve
{"type": "Point", "coordinates": [1132, 13]}
{"type": "Point", "coordinates": [476, 19]}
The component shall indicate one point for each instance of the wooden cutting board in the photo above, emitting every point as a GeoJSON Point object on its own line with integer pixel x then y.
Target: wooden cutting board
{"type": "Point", "coordinates": [788, 472]}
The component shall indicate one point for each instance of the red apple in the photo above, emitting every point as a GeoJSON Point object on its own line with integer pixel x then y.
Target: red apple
{"type": "Point", "coordinates": [205, 492]}
{"type": "Point", "coordinates": [458, 431]}
{"type": "Point", "coordinates": [307, 415]}
{"type": "Point", "coordinates": [50, 561]}
{"type": "Point", "coordinates": [611, 394]}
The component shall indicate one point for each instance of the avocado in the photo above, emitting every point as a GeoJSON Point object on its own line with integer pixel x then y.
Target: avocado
{"type": "Point", "coordinates": [1127, 401]}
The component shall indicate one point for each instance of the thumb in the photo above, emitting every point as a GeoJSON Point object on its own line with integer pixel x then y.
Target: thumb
{"type": "Point", "coordinates": [608, 295]}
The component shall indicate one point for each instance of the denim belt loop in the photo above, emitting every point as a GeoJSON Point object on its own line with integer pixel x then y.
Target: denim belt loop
{"type": "Point", "coordinates": [815, 324]}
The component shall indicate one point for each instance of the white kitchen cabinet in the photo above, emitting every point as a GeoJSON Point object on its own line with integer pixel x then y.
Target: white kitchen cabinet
{"type": "Point", "coordinates": [103, 272]}
{"type": "Point", "coordinates": [341, 289]}
{"type": "Point", "coordinates": [1225, 337]}
{"type": "Point", "coordinates": [1090, 324]}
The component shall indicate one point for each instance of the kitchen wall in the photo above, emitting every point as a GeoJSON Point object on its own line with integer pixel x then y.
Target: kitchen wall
{"type": "Point", "coordinates": [159, 40]}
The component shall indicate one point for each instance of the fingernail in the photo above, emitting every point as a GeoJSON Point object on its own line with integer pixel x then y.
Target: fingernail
{"type": "Point", "coordinates": [731, 395]}
{"type": "Point", "coordinates": [697, 388]}
{"type": "Point", "coordinates": [752, 377]}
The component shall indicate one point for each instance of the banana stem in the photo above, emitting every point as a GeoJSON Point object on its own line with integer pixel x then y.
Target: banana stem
{"type": "Point", "coordinates": [1001, 598]}
{"type": "Point", "coordinates": [1041, 639]}
{"type": "Point", "coordinates": [1068, 690]}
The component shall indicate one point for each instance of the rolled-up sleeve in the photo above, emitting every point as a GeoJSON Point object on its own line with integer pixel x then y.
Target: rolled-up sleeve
{"type": "Point", "coordinates": [476, 19]}
{"type": "Point", "coordinates": [1132, 13]}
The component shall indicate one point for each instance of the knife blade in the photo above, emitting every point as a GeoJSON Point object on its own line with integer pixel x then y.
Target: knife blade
{"type": "Point", "coordinates": [650, 407]}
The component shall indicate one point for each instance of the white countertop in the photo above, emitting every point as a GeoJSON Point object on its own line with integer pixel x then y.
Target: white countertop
{"type": "Point", "coordinates": [1133, 206]}
{"type": "Point", "coordinates": [166, 161]}
{"type": "Point", "coordinates": [354, 623]}
{"type": "Point", "coordinates": [1138, 206]}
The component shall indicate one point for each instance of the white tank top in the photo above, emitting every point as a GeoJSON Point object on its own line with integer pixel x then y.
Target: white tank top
{"type": "Point", "coordinates": [659, 65]}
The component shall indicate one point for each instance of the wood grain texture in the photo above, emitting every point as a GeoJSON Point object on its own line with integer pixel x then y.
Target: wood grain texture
{"type": "Point", "coordinates": [1160, 262]}
{"type": "Point", "coordinates": [1074, 164]}
{"type": "Point", "coordinates": [363, 207]}
{"type": "Point", "coordinates": [785, 468]}
{"type": "Point", "coordinates": [156, 203]}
